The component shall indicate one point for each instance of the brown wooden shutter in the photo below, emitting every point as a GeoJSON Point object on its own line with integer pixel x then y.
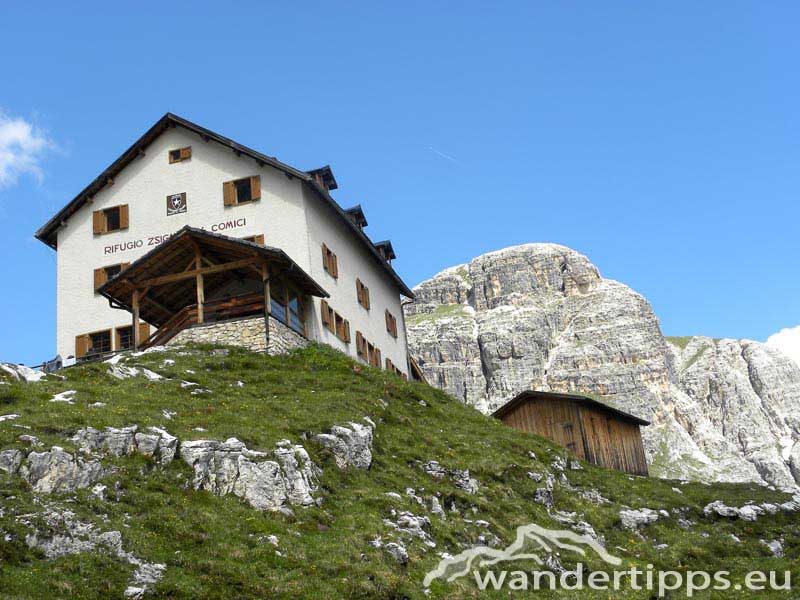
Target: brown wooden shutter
{"type": "Point", "coordinates": [365, 291]}
{"type": "Point", "coordinates": [325, 257]}
{"type": "Point", "coordinates": [255, 187]}
{"type": "Point", "coordinates": [124, 266]}
{"type": "Point", "coordinates": [144, 331]}
{"type": "Point", "coordinates": [99, 278]}
{"type": "Point", "coordinates": [124, 216]}
{"type": "Point", "coordinates": [117, 339]}
{"type": "Point", "coordinates": [334, 266]}
{"type": "Point", "coordinates": [377, 358]}
{"type": "Point", "coordinates": [186, 152]}
{"type": "Point", "coordinates": [81, 345]}
{"type": "Point", "coordinates": [99, 222]}
{"type": "Point", "coordinates": [228, 193]}
{"type": "Point", "coordinates": [359, 344]}
{"type": "Point", "coordinates": [259, 239]}
{"type": "Point", "coordinates": [323, 307]}
{"type": "Point", "coordinates": [347, 331]}
{"type": "Point", "coordinates": [358, 292]}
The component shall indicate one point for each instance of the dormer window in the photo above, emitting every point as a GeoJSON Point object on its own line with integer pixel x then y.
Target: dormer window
{"type": "Point", "coordinates": [241, 191]}
{"type": "Point", "coordinates": [180, 154]}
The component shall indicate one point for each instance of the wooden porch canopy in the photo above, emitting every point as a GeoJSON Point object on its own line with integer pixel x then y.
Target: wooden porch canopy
{"type": "Point", "coordinates": [195, 263]}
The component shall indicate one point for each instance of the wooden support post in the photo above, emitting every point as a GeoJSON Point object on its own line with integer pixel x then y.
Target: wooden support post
{"type": "Point", "coordinates": [267, 300]}
{"type": "Point", "coordinates": [198, 262]}
{"type": "Point", "coordinates": [137, 336]}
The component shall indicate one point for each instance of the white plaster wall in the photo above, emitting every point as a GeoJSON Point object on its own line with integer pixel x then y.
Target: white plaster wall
{"type": "Point", "coordinates": [144, 186]}
{"type": "Point", "coordinates": [290, 216]}
{"type": "Point", "coordinates": [354, 262]}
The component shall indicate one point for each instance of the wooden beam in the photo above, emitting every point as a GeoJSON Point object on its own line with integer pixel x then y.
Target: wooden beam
{"type": "Point", "coordinates": [229, 266]}
{"type": "Point", "coordinates": [137, 337]}
{"type": "Point", "coordinates": [267, 300]}
{"type": "Point", "coordinates": [198, 263]}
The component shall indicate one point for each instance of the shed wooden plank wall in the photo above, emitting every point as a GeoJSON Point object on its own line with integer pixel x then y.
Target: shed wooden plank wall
{"type": "Point", "coordinates": [590, 433]}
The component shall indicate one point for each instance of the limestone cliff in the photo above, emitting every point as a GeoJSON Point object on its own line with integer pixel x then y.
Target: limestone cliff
{"type": "Point", "coordinates": [540, 316]}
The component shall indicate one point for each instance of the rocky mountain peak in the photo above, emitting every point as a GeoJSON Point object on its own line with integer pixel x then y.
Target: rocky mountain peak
{"type": "Point", "coordinates": [540, 316]}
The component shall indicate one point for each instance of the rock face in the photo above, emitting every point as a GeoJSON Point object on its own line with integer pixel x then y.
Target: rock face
{"type": "Point", "coordinates": [350, 446]}
{"type": "Point", "coordinates": [540, 316]}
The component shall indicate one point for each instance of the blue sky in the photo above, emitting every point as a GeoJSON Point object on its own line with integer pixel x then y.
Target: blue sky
{"type": "Point", "coordinates": [659, 139]}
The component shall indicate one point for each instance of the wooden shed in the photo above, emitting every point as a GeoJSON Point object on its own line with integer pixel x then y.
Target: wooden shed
{"type": "Point", "coordinates": [593, 431]}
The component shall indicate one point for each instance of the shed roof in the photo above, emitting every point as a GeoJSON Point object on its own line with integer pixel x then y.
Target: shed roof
{"type": "Point", "coordinates": [47, 233]}
{"type": "Point", "coordinates": [532, 395]}
{"type": "Point", "coordinates": [177, 253]}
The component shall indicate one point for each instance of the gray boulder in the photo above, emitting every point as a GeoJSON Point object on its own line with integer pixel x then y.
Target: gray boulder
{"type": "Point", "coordinates": [58, 471]}
{"type": "Point", "coordinates": [351, 446]}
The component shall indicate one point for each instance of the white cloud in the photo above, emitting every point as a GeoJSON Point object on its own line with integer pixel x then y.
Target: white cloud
{"type": "Point", "coordinates": [22, 146]}
{"type": "Point", "coordinates": [788, 342]}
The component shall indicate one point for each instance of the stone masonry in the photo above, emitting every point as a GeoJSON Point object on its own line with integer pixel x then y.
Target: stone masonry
{"type": "Point", "coordinates": [247, 332]}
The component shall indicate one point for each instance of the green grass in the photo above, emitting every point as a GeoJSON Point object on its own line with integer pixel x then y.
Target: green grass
{"type": "Point", "coordinates": [680, 341]}
{"type": "Point", "coordinates": [211, 544]}
{"type": "Point", "coordinates": [444, 311]}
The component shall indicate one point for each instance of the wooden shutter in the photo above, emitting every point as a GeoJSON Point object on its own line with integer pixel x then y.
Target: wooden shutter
{"type": "Point", "coordinates": [255, 187]}
{"type": "Point", "coordinates": [124, 217]}
{"type": "Point", "coordinates": [124, 266]}
{"type": "Point", "coordinates": [144, 331]}
{"type": "Point", "coordinates": [81, 345]}
{"type": "Point", "coordinates": [377, 358]}
{"type": "Point", "coordinates": [359, 293]}
{"type": "Point", "coordinates": [259, 239]}
{"type": "Point", "coordinates": [359, 344]}
{"type": "Point", "coordinates": [117, 339]}
{"type": "Point", "coordinates": [229, 193]}
{"type": "Point", "coordinates": [323, 307]}
{"type": "Point", "coordinates": [334, 266]}
{"type": "Point", "coordinates": [325, 258]}
{"type": "Point", "coordinates": [99, 222]}
{"type": "Point", "coordinates": [99, 278]}
{"type": "Point", "coordinates": [186, 152]}
{"type": "Point", "coordinates": [365, 292]}
{"type": "Point", "coordinates": [346, 331]}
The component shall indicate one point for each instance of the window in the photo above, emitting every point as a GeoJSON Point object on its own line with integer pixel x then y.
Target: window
{"type": "Point", "coordinates": [329, 262]}
{"type": "Point", "coordinates": [278, 302]}
{"type": "Point", "coordinates": [256, 239]}
{"type": "Point", "coordinates": [104, 274]}
{"type": "Point", "coordinates": [110, 219]}
{"type": "Point", "coordinates": [180, 154]}
{"type": "Point", "coordinates": [93, 343]}
{"type": "Point", "coordinates": [287, 307]}
{"type": "Point", "coordinates": [241, 191]}
{"type": "Point", "coordinates": [362, 292]}
{"type": "Point", "coordinates": [367, 351]}
{"type": "Point", "coordinates": [391, 324]}
{"type": "Point", "coordinates": [124, 336]}
{"type": "Point", "coordinates": [295, 313]}
{"type": "Point", "coordinates": [390, 367]}
{"type": "Point", "coordinates": [334, 322]}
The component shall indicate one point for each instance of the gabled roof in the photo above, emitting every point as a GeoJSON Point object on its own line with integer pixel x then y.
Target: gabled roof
{"type": "Point", "coordinates": [47, 233]}
{"type": "Point", "coordinates": [326, 175]}
{"type": "Point", "coordinates": [386, 249]}
{"type": "Point", "coordinates": [173, 255]}
{"type": "Point", "coordinates": [357, 214]}
{"type": "Point", "coordinates": [533, 395]}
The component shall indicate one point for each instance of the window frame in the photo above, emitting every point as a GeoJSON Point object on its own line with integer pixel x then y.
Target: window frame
{"type": "Point", "coordinates": [184, 153]}
{"type": "Point", "coordinates": [230, 192]}
{"type": "Point", "coordinates": [101, 274]}
{"type": "Point", "coordinates": [330, 263]}
{"type": "Point", "coordinates": [362, 292]}
{"type": "Point", "coordinates": [100, 219]}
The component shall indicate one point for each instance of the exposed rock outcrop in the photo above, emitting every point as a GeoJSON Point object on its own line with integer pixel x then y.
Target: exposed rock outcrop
{"type": "Point", "coordinates": [540, 316]}
{"type": "Point", "coordinates": [351, 446]}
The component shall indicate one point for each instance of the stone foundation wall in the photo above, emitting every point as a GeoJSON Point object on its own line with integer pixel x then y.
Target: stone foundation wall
{"type": "Point", "coordinates": [248, 333]}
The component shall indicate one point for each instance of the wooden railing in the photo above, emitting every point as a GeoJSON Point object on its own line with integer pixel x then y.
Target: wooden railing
{"type": "Point", "coordinates": [213, 311]}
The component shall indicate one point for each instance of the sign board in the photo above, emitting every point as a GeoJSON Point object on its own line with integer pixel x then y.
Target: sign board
{"type": "Point", "coordinates": [176, 204]}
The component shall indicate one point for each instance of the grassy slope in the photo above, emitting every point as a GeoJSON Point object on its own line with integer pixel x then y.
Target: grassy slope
{"type": "Point", "coordinates": [210, 544]}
